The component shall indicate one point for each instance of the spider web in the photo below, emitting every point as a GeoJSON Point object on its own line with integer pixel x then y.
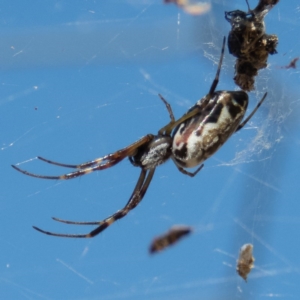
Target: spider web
{"type": "Point", "coordinates": [80, 81]}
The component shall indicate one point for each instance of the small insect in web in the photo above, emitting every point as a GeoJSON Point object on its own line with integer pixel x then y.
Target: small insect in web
{"type": "Point", "coordinates": [292, 64]}
{"type": "Point", "coordinates": [174, 234]}
{"type": "Point", "coordinates": [246, 261]}
{"type": "Point", "coordinates": [249, 42]}
{"type": "Point", "coordinates": [188, 141]}
{"type": "Point", "coordinates": [192, 7]}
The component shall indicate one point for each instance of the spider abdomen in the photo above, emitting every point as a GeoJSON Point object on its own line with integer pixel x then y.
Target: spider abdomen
{"type": "Point", "coordinates": [201, 136]}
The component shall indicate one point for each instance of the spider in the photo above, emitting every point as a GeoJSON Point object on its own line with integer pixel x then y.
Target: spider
{"type": "Point", "coordinates": [189, 141]}
{"type": "Point", "coordinates": [248, 42]}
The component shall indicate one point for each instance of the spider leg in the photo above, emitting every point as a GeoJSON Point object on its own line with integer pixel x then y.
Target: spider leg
{"type": "Point", "coordinates": [72, 174]}
{"type": "Point", "coordinates": [168, 106]}
{"type": "Point", "coordinates": [249, 9]}
{"type": "Point", "coordinates": [101, 163]}
{"type": "Point", "coordinates": [197, 108]}
{"type": "Point", "coordinates": [137, 187]}
{"type": "Point", "coordinates": [61, 164]}
{"type": "Point", "coordinates": [136, 197]}
{"type": "Point", "coordinates": [216, 80]}
{"type": "Point", "coordinates": [191, 174]}
{"type": "Point", "coordinates": [123, 152]}
{"type": "Point", "coordinates": [252, 113]}
{"type": "Point", "coordinates": [76, 222]}
{"type": "Point", "coordinates": [166, 130]}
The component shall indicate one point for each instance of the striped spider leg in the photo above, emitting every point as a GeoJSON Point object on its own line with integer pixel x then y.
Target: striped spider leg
{"type": "Point", "coordinates": [135, 198]}
{"type": "Point", "coordinates": [97, 164]}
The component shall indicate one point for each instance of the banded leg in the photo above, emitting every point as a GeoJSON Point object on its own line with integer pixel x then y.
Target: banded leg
{"type": "Point", "coordinates": [205, 100]}
{"type": "Point", "coordinates": [252, 113]}
{"type": "Point", "coordinates": [168, 106]}
{"type": "Point", "coordinates": [191, 174]}
{"type": "Point", "coordinates": [101, 163]}
{"type": "Point", "coordinates": [135, 198]}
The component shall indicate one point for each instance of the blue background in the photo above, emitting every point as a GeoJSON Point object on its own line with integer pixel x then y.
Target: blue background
{"type": "Point", "coordinates": [79, 79]}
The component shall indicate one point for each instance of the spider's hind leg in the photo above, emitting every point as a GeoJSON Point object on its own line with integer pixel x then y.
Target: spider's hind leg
{"type": "Point", "coordinates": [135, 198]}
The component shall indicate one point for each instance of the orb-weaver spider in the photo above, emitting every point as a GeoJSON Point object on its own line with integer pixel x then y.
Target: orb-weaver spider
{"type": "Point", "coordinates": [189, 141]}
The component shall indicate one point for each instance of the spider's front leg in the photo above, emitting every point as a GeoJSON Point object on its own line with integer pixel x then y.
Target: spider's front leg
{"type": "Point", "coordinates": [201, 104]}
{"type": "Point", "coordinates": [98, 164]}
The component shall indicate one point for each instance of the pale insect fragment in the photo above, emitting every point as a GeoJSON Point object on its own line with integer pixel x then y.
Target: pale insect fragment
{"type": "Point", "coordinates": [246, 261]}
{"type": "Point", "coordinates": [191, 7]}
